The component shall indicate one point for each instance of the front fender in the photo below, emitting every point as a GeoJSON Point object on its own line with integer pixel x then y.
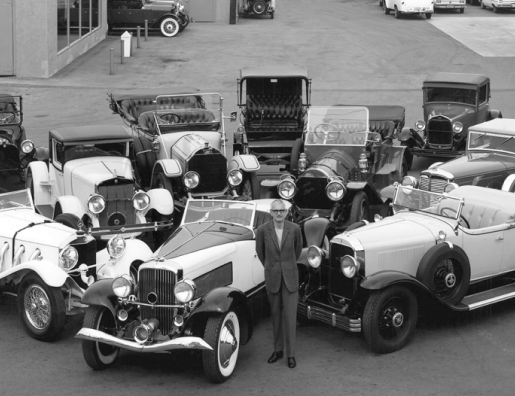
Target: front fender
{"type": "Point", "coordinates": [161, 200]}
{"type": "Point", "coordinates": [170, 167]}
{"type": "Point", "coordinates": [41, 183]}
{"type": "Point", "coordinates": [493, 114]}
{"type": "Point", "coordinates": [49, 272]}
{"type": "Point", "coordinates": [220, 300]}
{"type": "Point", "coordinates": [100, 293]}
{"type": "Point", "coordinates": [71, 204]}
{"type": "Point", "coordinates": [135, 250]}
{"type": "Point", "coordinates": [383, 279]}
{"type": "Point", "coordinates": [244, 162]}
{"type": "Point", "coordinates": [315, 229]}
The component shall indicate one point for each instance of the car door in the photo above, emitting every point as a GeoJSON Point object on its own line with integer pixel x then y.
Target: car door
{"type": "Point", "coordinates": [484, 248]}
{"type": "Point", "coordinates": [483, 105]}
{"type": "Point", "coordinates": [508, 254]}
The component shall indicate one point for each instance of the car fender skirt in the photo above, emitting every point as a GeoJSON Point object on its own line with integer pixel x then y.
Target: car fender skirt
{"type": "Point", "coordinates": [100, 293]}
{"type": "Point", "coordinates": [177, 343]}
{"type": "Point", "coordinates": [383, 279]}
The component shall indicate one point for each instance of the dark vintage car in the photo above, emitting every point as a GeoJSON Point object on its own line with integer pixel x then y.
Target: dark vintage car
{"type": "Point", "coordinates": [180, 145]}
{"type": "Point", "coordinates": [489, 161]}
{"type": "Point", "coordinates": [273, 102]}
{"type": "Point", "coordinates": [453, 102]}
{"type": "Point", "coordinates": [343, 163]}
{"type": "Point", "coordinates": [203, 289]}
{"type": "Point", "coordinates": [15, 150]}
{"type": "Point", "coordinates": [439, 253]}
{"type": "Point", "coordinates": [257, 7]}
{"type": "Point", "coordinates": [170, 17]}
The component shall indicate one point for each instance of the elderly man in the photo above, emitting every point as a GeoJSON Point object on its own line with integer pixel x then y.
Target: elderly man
{"type": "Point", "coordinates": [278, 246]}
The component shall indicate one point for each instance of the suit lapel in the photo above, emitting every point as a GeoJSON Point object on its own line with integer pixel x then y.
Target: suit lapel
{"type": "Point", "coordinates": [274, 235]}
{"type": "Point", "coordinates": [285, 233]}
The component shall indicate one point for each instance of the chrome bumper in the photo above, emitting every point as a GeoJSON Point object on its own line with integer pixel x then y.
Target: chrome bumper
{"type": "Point", "coordinates": [177, 343]}
{"type": "Point", "coordinates": [334, 319]}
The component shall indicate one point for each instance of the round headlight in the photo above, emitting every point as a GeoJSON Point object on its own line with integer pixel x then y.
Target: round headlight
{"type": "Point", "coordinates": [410, 181]}
{"type": "Point", "coordinates": [68, 257]}
{"type": "Point", "coordinates": [116, 246]}
{"type": "Point", "coordinates": [449, 187]}
{"type": "Point", "coordinates": [191, 179]}
{"type": "Point", "coordinates": [96, 204]}
{"type": "Point", "coordinates": [315, 256]}
{"type": "Point", "coordinates": [420, 125]}
{"type": "Point", "coordinates": [335, 190]}
{"type": "Point", "coordinates": [349, 266]}
{"type": "Point", "coordinates": [287, 189]}
{"type": "Point", "coordinates": [27, 146]}
{"type": "Point", "coordinates": [185, 291]}
{"type": "Point", "coordinates": [235, 177]}
{"type": "Point", "coordinates": [457, 127]}
{"type": "Point", "coordinates": [122, 286]}
{"type": "Point", "coordinates": [140, 201]}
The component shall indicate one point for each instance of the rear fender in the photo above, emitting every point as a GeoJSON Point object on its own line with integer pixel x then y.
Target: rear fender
{"type": "Point", "coordinates": [161, 200]}
{"type": "Point", "coordinates": [41, 183]}
{"type": "Point", "coordinates": [244, 162]}
{"type": "Point", "coordinates": [71, 204]}
{"type": "Point", "coordinates": [100, 293]}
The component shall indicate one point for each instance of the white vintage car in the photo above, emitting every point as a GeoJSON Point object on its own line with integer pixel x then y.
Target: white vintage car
{"type": "Point", "coordinates": [450, 5]}
{"type": "Point", "coordinates": [48, 265]}
{"type": "Point", "coordinates": [498, 5]}
{"type": "Point", "coordinates": [89, 183]}
{"type": "Point", "coordinates": [400, 7]}
{"type": "Point", "coordinates": [199, 290]}
{"type": "Point", "coordinates": [455, 250]}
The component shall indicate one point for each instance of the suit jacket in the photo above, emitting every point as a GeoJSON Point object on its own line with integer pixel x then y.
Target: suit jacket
{"type": "Point", "coordinates": [279, 261]}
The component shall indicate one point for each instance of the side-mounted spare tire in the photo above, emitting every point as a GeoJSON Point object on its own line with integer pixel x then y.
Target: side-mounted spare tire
{"type": "Point", "coordinates": [145, 159]}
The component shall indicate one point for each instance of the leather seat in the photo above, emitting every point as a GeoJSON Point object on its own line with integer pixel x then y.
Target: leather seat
{"type": "Point", "coordinates": [147, 122]}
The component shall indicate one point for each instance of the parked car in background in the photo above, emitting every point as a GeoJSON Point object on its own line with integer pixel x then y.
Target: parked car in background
{"type": "Point", "coordinates": [400, 7]}
{"type": "Point", "coordinates": [450, 5]}
{"type": "Point", "coordinates": [452, 251]}
{"type": "Point", "coordinates": [452, 103]}
{"type": "Point", "coordinates": [89, 184]}
{"type": "Point", "coordinates": [498, 5]}
{"type": "Point", "coordinates": [180, 145]}
{"type": "Point", "coordinates": [489, 161]}
{"type": "Point", "coordinates": [341, 166]}
{"type": "Point", "coordinates": [273, 102]}
{"type": "Point", "coordinates": [258, 7]}
{"type": "Point", "coordinates": [200, 290]}
{"type": "Point", "coordinates": [15, 150]}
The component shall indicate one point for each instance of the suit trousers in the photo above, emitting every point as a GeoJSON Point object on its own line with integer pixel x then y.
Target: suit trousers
{"type": "Point", "coordinates": [283, 305]}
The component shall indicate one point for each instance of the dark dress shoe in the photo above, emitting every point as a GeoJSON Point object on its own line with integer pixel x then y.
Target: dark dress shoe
{"type": "Point", "coordinates": [275, 357]}
{"type": "Point", "coordinates": [291, 362]}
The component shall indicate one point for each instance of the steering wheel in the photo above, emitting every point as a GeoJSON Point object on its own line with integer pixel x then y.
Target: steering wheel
{"type": "Point", "coordinates": [326, 131]}
{"type": "Point", "coordinates": [236, 219]}
{"type": "Point", "coordinates": [453, 211]}
{"type": "Point", "coordinates": [176, 119]}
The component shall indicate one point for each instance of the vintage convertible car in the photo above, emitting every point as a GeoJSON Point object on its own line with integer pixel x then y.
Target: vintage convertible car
{"type": "Point", "coordinates": [453, 102]}
{"type": "Point", "coordinates": [273, 102]}
{"type": "Point", "coordinates": [170, 17]}
{"type": "Point", "coordinates": [489, 161]}
{"type": "Point", "coordinates": [400, 7]}
{"type": "Point", "coordinates": [15, 150]}
{"type": "Point", "coordinates": [453, 251]}
{"type": "Point", "coordinates": [199, 290]}
{"type": "Point", "coordinates": [89, 182]}
{"type": "Point", "coordinates": [180, 145]}
{"type": "Point", "coordinates": [257, 7]}
{"type": "Point", "coordinates": [47, 265]}
{"type": "Point", "coordinates": [345, 160]}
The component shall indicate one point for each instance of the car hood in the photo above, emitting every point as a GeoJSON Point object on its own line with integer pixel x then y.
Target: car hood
{"type": "Point", "coordinates": [456, 112]}
{"type": "Point", "coordinates": [92, 172]}
{"type": "Point", "coordinates": [26, 225]}
{"type": "Point", "coordinates": [477, 163]}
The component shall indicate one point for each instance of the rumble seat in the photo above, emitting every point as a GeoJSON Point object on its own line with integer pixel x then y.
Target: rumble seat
{"type": "Point", "coordinates": [133, 108]}
{"type": "Point", "coordinates": [147, 120]}
{"type": "Point", "coordinates": [265, 113]}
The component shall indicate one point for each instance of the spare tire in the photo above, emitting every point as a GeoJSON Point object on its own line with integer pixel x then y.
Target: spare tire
{"type": "Point", "coordinates": [144, 158]}
{"type": "Point", "coordinates": [69, 220]}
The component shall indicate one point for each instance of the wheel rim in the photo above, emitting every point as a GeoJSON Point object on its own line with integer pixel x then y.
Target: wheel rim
{"type": "Point", "coordinates": [106, 353]}
{"type": "Point", "coordinates": [447, 279]}
{"type": "Point", "coordinates": [259, 8]}
{"type": "Point", "coordinates": [228, 344]}
{"type": "Point", "coordinates": [394, 318]}
{"type": "Point", "coordinates": [169, 27]}
{"type": "Point", "coordinates": [37, 307]}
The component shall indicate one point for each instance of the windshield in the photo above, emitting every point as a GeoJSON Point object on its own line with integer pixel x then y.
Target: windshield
{"type": "Point", "coordinates": [337, 125]}
{"type": "Point", "coordinates": [9, 109]}
{"type": "Point", "coordinates": [98, 149]}
{"type": "Point", "coordinates": [425, 201]}
{"type": "Point", "coordinates": [479, 141]}
{"type": "Point", "coordinates": [16, 200]}
{"type": "Point", "coordinates": [458, 95]}
{"type": "Point", "coordinates": [234, 212]}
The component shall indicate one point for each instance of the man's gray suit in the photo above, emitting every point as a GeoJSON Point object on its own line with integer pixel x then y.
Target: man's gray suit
{"type": "Point", "coordinates": [281, 278]}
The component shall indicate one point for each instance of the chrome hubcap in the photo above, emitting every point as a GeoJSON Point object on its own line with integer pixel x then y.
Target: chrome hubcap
{"type": "Point", "coordinates": [228, 343]}
{"type": "Point", "coordinates": [450, 280]}
{"type": "Point", "coordinates": [398, 319]}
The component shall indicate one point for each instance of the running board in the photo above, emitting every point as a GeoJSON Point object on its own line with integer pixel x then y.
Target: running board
{"type": "Point", "coordinates": [488, 297]}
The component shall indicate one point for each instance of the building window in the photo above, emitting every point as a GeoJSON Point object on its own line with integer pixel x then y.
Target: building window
{"type": "Point", "coordinates": [75, 19]}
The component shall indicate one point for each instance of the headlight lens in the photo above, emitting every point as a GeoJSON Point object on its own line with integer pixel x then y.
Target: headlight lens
{"type": "Point", "coordinates": [335, 190]}
{"type": "Point", "coordinates": [140, 201]}
{"type": "Point", "coordinates": [191, 179]}
{"type": "Point", "coordinates": [287, 189]}
{"type": "Point", "coordinates": [96, 204]}
{"type": "Point", "coordinates": [410, 181]}
{"type": "Point", "coordinates": [116, 246]}
{"type": "Point", "coordinates": [349, 266]}
{"type": "Point", "coordinates": [122, 286]}
{"type": "Point", "coordinates": [185, 291]}
{"type": "Point", "coordinates": [27, 146]}
{"type": "Point", "coordinates": [315, 256]}
{"type": "Point", "coordinates": [457, 127]}
{"type": "Point", "coordinates": [235, 177]}
{"type": "Point", "coordinates": [68, 257]}
{"type": "Point", "coordinates": [420, 125]}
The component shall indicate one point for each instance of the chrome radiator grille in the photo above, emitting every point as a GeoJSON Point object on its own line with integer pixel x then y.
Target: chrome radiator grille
{"type": "Point", "coordinates": [161, 283]}
{"type": "Point", "coordinates": [433, 184]}
{"type": "Point", "coordinates": [439, 131]}
{"type": "Point", "coordinates": [119, 210]}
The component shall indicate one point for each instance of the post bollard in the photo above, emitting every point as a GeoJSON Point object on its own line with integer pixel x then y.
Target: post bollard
{"type": "Point", "coordinates": [137, 37]}
{"type": "Point", "coordinates": [111, 60]}
{"type": "Point", "coordinates": [121, 61]}
{"type": "Point", "coordinates": [132, 44]}
{"type": "Point", "coordinates": [146, 29]}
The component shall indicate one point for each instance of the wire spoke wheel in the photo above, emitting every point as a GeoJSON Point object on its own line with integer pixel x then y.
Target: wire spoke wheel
{"type": "Point", "coordinates": [37, 307]}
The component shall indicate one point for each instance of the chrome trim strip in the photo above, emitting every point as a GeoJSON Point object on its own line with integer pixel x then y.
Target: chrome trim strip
{"type": "Point", "coordinates": [491, 301]}
{"type": "Point", "coordinates": [4, 249]}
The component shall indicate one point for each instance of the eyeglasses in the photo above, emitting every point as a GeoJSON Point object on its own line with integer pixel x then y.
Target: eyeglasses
{"type": "Point", "coordinates": [278, 211]}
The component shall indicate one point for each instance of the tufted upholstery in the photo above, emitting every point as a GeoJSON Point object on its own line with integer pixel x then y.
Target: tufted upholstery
{"type": "Point", "coordinates": [385, 128]}
{"type": "Point", "coordinates": [187, 116]}
{"type": "Point", "coordinates": [284, 111]}
{"type": "Point", "coordinates": [479, 216]}
{"type": "Point", "coordinates": [133, 108]}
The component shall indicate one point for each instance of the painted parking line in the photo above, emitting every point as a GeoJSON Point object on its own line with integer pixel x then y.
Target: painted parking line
{"type": "Point", "coordinates": [489, 37]}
